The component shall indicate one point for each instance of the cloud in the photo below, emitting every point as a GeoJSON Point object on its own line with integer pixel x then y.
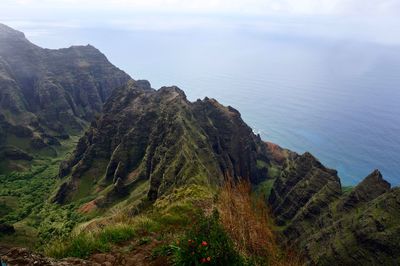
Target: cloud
{"type": "Point", "coordinates": [261, 7]}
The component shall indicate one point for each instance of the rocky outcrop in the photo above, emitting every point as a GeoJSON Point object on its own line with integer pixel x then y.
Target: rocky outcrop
{"type": "Point", "coordinates": [335, 228]}
{"type": "Point", "coordinates": [370, 188]}
{"type": "Point", "coordinates": [304, 189]}
{"type": "Point", "coordinates": [47, 94]}
{"type": "Point", "coordinates": [160, 137]}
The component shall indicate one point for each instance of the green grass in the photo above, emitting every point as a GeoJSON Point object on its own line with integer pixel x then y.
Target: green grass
{"type": "Point", "coordinates": [264, 188]}
{"type": "Point", "coordinates": [84, 244]}
{"type": "Point", "coordinates": [117, 234]}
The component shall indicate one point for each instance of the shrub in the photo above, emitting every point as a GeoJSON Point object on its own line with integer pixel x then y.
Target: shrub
{"type": "Point", "coordinates": [206, 243]}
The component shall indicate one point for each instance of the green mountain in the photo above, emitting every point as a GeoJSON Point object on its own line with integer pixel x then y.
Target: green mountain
{"type": "Point", "coordinates": [159, 180]}
{"type": "Point", "coordinates": [332, 226]}
{"type": "Point", "coordinates": [160, 139]}
{"type": "Point", "coordinates": [47, 95]}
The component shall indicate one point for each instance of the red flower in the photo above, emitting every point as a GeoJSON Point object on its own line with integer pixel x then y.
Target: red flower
{"type": "Point", "coordinates": [204, 243]}
{"type": "Point", "coordinates": [203, 260]}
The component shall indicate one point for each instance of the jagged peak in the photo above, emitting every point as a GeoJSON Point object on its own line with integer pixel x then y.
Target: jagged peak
{"type": "Point", "coordinates": [173, 91]}
{"type": "Point", "coordinates": [374, 179]}
{"type": "Point", "coordinates": [227, 110]}
{"type": "Point", "coordinates": [308, 157]}
{"type": "Point", "coordinates": [370, 188]}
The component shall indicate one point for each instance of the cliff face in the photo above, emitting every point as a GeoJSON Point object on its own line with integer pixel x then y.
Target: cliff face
{"type": "Point", "coordinates": [47, 94]}
{"type": "Point", "coordinates": [332, 227]}
{"type": "Point", "coordinates": [159, 137]}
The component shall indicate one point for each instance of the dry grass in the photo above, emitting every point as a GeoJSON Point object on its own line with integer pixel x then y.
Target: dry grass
{"type": "Point", "coordinates": [247, 221]}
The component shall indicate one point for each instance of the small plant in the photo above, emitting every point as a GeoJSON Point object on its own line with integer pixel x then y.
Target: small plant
{"type": "Point", "coordinates": [206, 243]}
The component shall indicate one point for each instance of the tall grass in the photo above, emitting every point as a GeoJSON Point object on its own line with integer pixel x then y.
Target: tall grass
{"type": "Point", "coordinates": [83, 244]}
{"type": "Point", "coordinates": [247, 221]}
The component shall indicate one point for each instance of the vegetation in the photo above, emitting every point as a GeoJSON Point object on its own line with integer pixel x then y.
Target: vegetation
{"type": "Point", "coordinates": [206, 243]}
{"type": "Point", "coordinates": [82, 245]}
{"type": "Point", "coordinates": [245, 217]}
{"type": "Point", "coordinates": [24, 202]}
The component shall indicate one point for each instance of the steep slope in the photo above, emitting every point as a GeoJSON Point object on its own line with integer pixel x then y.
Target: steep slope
{"type": "Point", "coordinates": [45, 95]}
{"type": "Point", "coordinates": [160, 139]}
{"type": "Point", "coordinates": [148, 142]}
{"type": "Point", "coordinates": [332, 227]}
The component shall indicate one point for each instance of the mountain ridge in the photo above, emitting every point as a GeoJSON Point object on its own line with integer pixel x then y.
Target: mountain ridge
{"type": "Point", "coordinates": [152, 157]}
{"type": "Point", "coordinates": [46, 94]}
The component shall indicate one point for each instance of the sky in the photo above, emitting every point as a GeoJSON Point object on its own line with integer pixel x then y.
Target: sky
{"type": "Point", "coordinates": [375, 21]}
{"type": "Point", "coordinates": [261, 7]}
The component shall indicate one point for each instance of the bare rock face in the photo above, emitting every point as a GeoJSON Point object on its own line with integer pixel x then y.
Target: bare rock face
{"type": "Point", "coordinates": [46, 94]}
{"type": "Point", "coordinates": [161, 137]}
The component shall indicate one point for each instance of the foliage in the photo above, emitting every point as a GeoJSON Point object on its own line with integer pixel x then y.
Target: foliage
{"type": "Point", "coordinates": [206, 243]}
{"type": "Point", "coordinates": [29, 190]}
{"type": "Point", "coordinates": [24, 202]}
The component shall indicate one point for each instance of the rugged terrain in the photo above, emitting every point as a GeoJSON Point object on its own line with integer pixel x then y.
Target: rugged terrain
{"type": "Point", "coordinates": [151, 172]}
{"type": "Point", "coordinates": [158, 139]}
{"type": "Point", "coordinates": [47, 95]}
{"type": "Point", "coordinates": [333, 226]}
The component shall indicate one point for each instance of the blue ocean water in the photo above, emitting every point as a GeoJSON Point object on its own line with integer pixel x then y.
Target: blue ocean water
{"type": "Point", "coordinates": [338, 98]}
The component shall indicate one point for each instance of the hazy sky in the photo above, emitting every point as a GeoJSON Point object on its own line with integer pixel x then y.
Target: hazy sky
{"type": "Point", "coordinates": [370, 20]}
{"type": "Point", "coordinates": [308, 7]}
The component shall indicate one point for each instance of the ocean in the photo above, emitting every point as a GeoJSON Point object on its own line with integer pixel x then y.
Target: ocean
{"type": "Point", "coordinates": [306, 88]}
